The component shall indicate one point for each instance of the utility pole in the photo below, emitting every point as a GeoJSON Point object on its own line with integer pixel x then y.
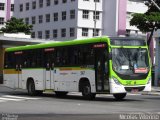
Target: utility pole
{"type": "Point", "coordinates": [95, 20]}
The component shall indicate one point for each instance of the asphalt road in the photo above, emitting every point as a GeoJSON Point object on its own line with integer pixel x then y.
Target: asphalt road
{"type": "Point", "coordinates": [18, 105]}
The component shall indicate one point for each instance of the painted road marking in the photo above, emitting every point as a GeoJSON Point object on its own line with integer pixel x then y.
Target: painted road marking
{"type": "Point", "coordinates": [18, 97]}
{"type": "Point", "coordinates": [5, 98]}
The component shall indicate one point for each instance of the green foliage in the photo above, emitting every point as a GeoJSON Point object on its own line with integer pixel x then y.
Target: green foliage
{"type": "Point", "coordinates": [146, 22]}
{"type": "Point", "coordinates": [149, 21]}
{"type": "Point", "coordinates": [15, 25]}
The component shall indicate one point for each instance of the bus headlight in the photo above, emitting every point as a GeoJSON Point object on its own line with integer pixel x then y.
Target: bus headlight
{"type": "Point", "coordinates": [149, 80]}
{"type": "Point", "coordinates": [116, 81]}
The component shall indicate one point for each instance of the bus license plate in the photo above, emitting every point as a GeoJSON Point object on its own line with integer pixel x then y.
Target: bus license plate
{"type": "Point", "coordinates": [134, 90]}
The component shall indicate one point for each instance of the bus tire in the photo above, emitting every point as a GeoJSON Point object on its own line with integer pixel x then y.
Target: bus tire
{"type": "Point", "coordinates": [119, 96]}
{"type": "Point", "coordinates": [60, 94]}
{"type": "Point", "coordinates": [86, 91]}
{"type": "Point", "coordinates": [31, 88]}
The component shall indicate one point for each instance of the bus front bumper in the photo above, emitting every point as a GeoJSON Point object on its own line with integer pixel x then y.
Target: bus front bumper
{"type": "Point", "coordinates": [119, 88]}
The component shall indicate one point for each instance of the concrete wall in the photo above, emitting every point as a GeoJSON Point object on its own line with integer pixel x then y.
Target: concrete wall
{"type": "Point", "coordinates": [110, 19]}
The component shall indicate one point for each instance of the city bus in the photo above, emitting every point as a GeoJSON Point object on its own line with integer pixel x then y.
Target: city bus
{"type": "Point", "coordinates": [100, 65]}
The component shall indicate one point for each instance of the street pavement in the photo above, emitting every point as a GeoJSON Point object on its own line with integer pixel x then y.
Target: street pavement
{"type": "Point", "coordinates": [154, 91]}
{"type": "Point", "coordinates": [17, 105]}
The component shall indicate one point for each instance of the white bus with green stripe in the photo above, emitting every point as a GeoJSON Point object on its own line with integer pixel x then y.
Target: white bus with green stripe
{"type": "Point", "coordinates": [102, 65]}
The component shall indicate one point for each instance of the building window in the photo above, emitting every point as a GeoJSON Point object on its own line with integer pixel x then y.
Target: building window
{"type": "Point", "coordinates": [64, 1]}
{"type": "Point", "coordinates": [85, 14]}
{"type": "Point", "coordinates": [96, 15]}
{"type": "Point", "coordinates": [48, 2]}
{"type": "Point", "coordinates": [33, 35]}
{"type": "Point", "coordinates": [27, 6]}
{"type": "Point", "coordinates": [40, 3]}
{"type": "Point", "coordinates": [63, 32]}
{"type": "Point", "coordinates": [72, 32]}
{"type": "Point", "coordinates": [64, 15]}
{"type": "Point", "coordinates": [33, 20]}
{"type": "Point", "coordinates": [2, 6]}
{"type": "Point", "coordinates": [47, 17]}
{"type": "Point", "coordinates": [40, 18]}
{"type": "Point", "coordinates": [55, 33]}
{"type": "Point", "coordinates": [96, 0]}
{"type": "Point", "coordinates": [55, 16]}
{"type": "Point", "coordinates": [72, 14]}
{"type": "Point", "coordinates": [12, 7]}
{"type": "Point", "coordinates": [21, 7]}
{"type": "Point", "coordinates": [47, 34]}
{"type": "Point", "coordinates": [56, 2]}
{"type": "Point", "coordinates": [27, 20]}
{"type": "Point", "coordinates": [40, 34]}
{"type": "Point", "coordinates": [34, 5]}
{"type": "Point", "coordinates": [1, 20]}
{"type": "Point", "coordinates": [95, 32]}
{"type": "Point", "coordinates": [85, 32]}
{"type": "Point", "coordinates": [72, 0]}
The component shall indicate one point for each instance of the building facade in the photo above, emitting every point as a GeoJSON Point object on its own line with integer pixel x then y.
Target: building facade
{"type": "Point", "coordinates": [6, 11]}
{"type": "Point", "coordinates": [72, 19]}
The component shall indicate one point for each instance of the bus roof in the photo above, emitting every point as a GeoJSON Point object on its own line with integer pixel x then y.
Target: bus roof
{"type": "Point", "coordinates": [59, 43]}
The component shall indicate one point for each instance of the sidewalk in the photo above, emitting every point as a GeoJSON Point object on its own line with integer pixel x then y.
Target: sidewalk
{"type": "Point", "coordinates": [155, 91]}
{"type": "Point", "coordinates": [4, 89]}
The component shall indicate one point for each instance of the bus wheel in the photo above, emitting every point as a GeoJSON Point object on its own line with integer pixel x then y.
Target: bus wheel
{"type": "Point", "coordinates": [120, 96]}
{"type": "Point", "coordinates": [31, 88]}
{"type": "Point", "coordinates": [86, 91]}
{"type": "Point", "coordinates": [60, 94]}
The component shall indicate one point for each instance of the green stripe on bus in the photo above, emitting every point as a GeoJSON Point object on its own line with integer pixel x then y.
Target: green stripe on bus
{"type": "Point", "coordinates": [59, 43]}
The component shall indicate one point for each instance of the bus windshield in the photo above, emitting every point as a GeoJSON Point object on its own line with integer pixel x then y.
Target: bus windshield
{"type": "Point", "coordinates": [129, 61]}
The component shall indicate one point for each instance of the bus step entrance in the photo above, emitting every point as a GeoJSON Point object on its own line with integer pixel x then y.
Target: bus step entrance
{"type": "Point", "coordinates": [48, 91]}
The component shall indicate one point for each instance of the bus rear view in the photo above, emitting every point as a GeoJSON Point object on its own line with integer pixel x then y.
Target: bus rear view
{"type": "Point", "coordinates": [130, 67]}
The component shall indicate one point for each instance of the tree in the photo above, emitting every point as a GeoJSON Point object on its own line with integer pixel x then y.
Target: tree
{"type": "Point", "coordinates": [15, 25]}
{"type": "Point", "coordinates": [149, 21]}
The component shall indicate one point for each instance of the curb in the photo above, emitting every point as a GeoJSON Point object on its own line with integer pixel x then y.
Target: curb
{"type": "Point", "coordinates": [151, 93]}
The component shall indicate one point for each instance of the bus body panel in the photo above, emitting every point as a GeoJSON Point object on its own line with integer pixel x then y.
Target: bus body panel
{"type": "Point", "coordinates": [36, 74]}
{"type": "Point", "coordinates": [13, 78]}
{"type": "Point", "coordinates": [67, 79]}
{"type": "Point", "coordinates": [9, 80]}
{"type": "Point", "coordinates": [49, 79]}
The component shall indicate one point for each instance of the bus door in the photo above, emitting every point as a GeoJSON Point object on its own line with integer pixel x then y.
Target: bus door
{"type": "Point", "coordinates": [18, 69]}
{"type": "Point", "coordinates": [49, 68]}
{"type": "Point", "coordinates": [102, 70]}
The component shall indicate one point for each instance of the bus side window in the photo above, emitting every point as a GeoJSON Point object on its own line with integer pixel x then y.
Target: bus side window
{"type": "Point", "coordinates": [86, 55]}
{"type": "Point", "coordinates": [58, 58]}
{"type": "Point", "coordinates": [9, 61]}
{"type": "Point", "coordinates": [75, 57]}
{"type": "Point", "coordinates": [71, 55]}
{"type": "Point", "coordinates": [39, 58]}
